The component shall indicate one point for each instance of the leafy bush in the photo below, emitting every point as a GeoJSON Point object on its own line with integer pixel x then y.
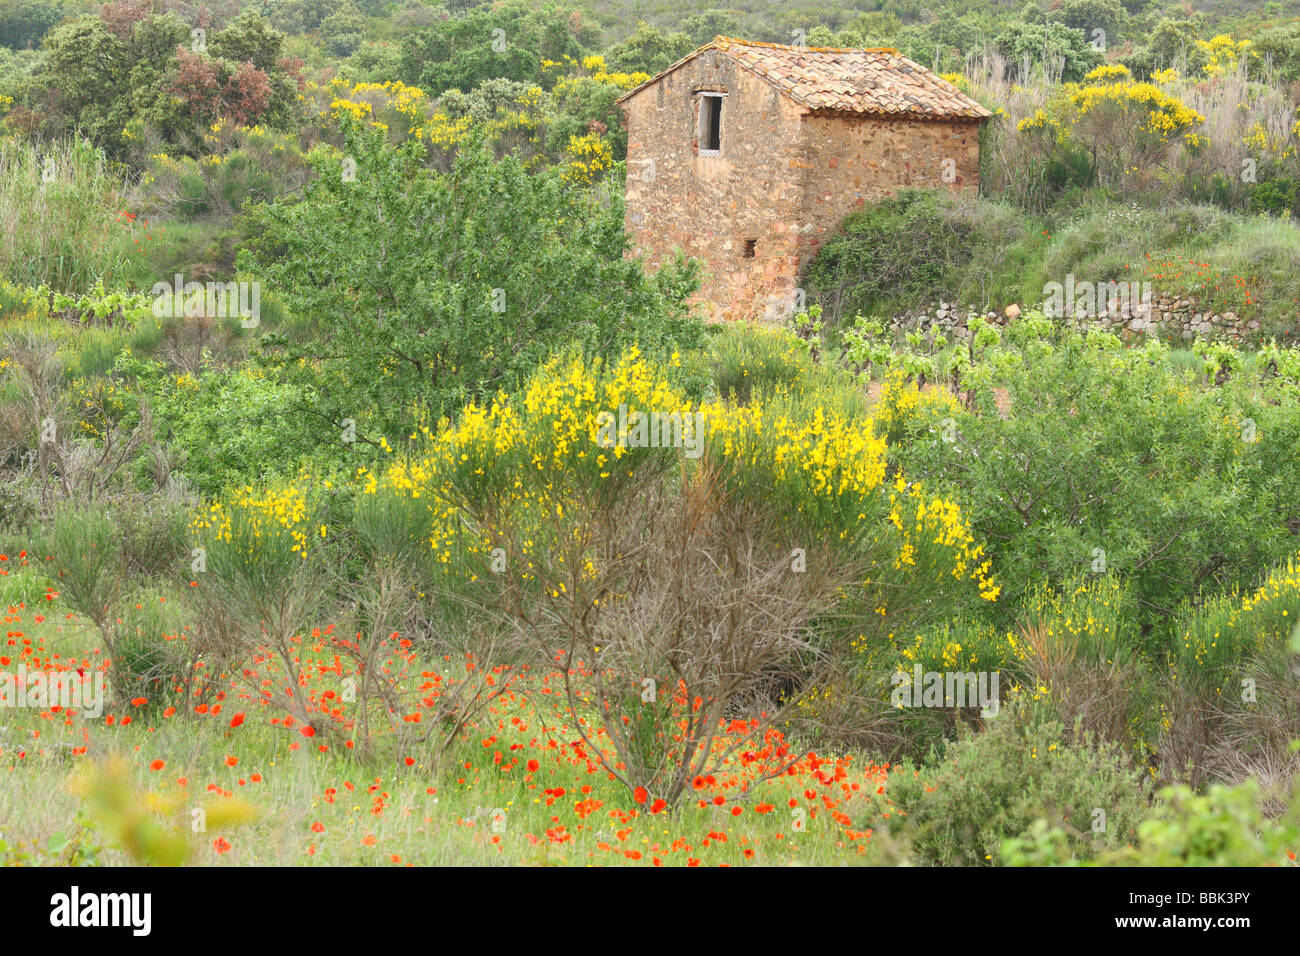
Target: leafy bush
{"type": "Point", "coordinates": [1107, 458]}
{"type": "Point", "coordinates": [426, 289]}
{"type": "Point", "coordinates": [1225, 826]}
{"type": "Point", "coordinates": [988, 787]}
{"type": "Point", "coordinates": [917, 246]}
{"type": "Point", "coordinates": [228, 427]}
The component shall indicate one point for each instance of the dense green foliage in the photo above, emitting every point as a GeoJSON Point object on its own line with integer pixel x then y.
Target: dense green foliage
{"type": "Point", "coordinates": [447, 287]}
{"type": "Point", "coordinates": [510, 41]}
{"type": "Point", "coordinates": [428, 200]}
{"type": "Point", "coordinates": [1022, 768]}
{"type": "Point", "coordinates": [919, 248]}
{"type": "Point", "coordinates": [1184, 488]}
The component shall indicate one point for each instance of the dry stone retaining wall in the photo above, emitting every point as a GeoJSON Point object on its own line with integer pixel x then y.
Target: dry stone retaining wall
{"type": "Point", "coordinates": [1174, 316]}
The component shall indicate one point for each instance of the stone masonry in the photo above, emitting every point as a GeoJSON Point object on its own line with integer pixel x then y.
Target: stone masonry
{"type": "Point", "coordinates": [804, 136]}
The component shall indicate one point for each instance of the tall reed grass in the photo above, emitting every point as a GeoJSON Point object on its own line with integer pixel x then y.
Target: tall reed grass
{"type": "Point", "coordinates": [68, 231]}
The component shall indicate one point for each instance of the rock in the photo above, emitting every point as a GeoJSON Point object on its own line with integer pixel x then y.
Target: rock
{"type": "Point", "coordinates": [1013, 311]}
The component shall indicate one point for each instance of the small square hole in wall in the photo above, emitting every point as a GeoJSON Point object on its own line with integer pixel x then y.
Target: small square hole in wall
{"type": "Point", "coordinates": [747, 248]}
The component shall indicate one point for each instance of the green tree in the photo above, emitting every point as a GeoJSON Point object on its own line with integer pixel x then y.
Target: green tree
{"type": "Point", "coordinates": [108, 84]}
{"type": "Point", "coordinates": [297, 17]}
{"type": "Point", "coordinates": [249, 39]}
{"type": "Point", "coordinates": [375, 62]}
{"type": "Point", "coordinates": [648, 50]}
{"type": "Point", "coordinates": [1051, 45]}
{"type": "Point", "coordinates": [343, 31]}
{"type": "Point", "coordinates": [704, 26]}
{"type": "Point", "coordinates": [1090, 15]}
{"type": "Point", "coordinates": [1280, 46]}
{"type": "Point", "coordinates": [427, 289]}
{"type": "Point", "coordinates": [23, 23]}
{"type": "Point", "coordinates": [509, 41]}
{"type": "Point", "coordinates": [86, 71]}
{"type": "Point", "coordinates": [1173, 44]}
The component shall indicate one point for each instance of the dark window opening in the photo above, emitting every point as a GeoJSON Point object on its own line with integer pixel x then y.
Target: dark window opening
{"type": "Point", "coordinates": [748, 251]}
{"type": "Point", "coordinates": [711, 123]}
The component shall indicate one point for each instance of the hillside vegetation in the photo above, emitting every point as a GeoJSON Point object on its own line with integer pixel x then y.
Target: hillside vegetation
{"type": "Point", "coordinates": [402, 518]}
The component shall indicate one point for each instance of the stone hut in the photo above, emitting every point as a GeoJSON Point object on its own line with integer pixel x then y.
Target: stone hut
{"type": "Point", "coordinates": [748, 156]}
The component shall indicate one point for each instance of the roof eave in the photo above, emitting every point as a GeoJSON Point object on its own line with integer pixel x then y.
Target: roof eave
{"type": "Point", "coordinates": [901, 114]}
{"type": "Point", "coordinates": [722, 44]}
{"type": "Point", "coordinates": [712, 45]}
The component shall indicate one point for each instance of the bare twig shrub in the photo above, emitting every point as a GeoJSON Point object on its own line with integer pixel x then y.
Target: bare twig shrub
{"type": "Point", "coordinates": [196, 343]}
{"type": "Point", "coordinates": [393, 678]}
{"type": "Point", "coordinates": [672, 612]}
{"type": "Point", "coordinates": [260, 573]}
{"type": "Point", "coordinates": [1092, 694]}
{"type": "Point", "coordinates": [1253, 738]}
{"type": "Point", "coordinates": [61, 463]}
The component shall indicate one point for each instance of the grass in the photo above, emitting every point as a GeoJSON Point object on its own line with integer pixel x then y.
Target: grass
{"type": "Point", "coordinates": [316, 804]}
{"type": "Point", "coordinates": [76, 196]}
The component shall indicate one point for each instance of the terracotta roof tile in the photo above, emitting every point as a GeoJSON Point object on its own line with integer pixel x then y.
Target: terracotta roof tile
{"type": "Point", "coordinates": [879, 82]}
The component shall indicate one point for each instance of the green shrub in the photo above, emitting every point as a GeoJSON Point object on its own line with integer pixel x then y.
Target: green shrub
{"type": "Point", "coordinates": [1103, 458]}
{"type": "Point", "coordinates": [154, 534]}
{"type": "Point", "coordinates": [922, 245]}
{"type": "Point", "coordinates": [229, 427]}
{"type": "Point", "coordinates": [68, 232]}
{"type": "Point", "coordinates": [149, 659]}
{"type": "Point", "coordinates": [990, 786]}
{"type": "Point", "coordinates": [82, 543]}
{"type": "Point", "coordinates": [1226, 826]}
{"type": "Point", "coordinates": [749, 358]}
{"type": "Point", "coordinates": [457, 285]}
{"type": "Point", "coordinates": [1276, 197]}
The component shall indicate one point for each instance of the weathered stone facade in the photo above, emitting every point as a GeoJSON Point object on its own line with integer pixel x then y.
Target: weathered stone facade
{"type": "Point", "coordinates": [784, 176]}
